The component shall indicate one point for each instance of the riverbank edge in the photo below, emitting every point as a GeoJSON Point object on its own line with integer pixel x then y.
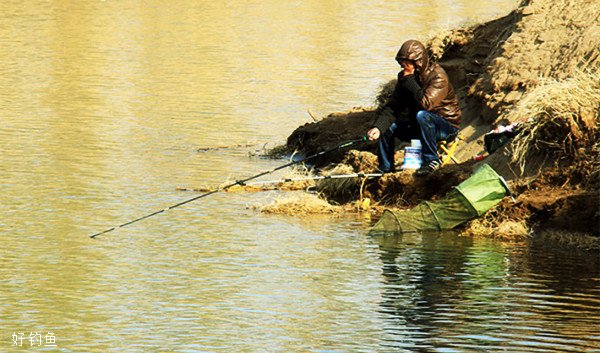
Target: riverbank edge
{"type": "Point", "coordinates": [557, 187]}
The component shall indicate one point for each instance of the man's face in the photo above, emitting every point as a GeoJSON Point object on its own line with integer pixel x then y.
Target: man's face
{"type": "Point", "coordinates": [407, 65]}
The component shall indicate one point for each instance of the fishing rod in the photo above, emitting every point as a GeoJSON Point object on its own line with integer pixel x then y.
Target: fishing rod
{"type": "Point", "coordinates": [289, 180]}
{"type": "Point", "coordinates": [238, 182]}
{"type": "Point", "coordinates": [316, 177]}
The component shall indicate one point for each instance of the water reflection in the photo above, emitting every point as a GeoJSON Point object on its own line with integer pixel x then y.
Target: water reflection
{"type": "Point", "coordinates": [104, 104]}
{"type": "Point", "coordinates": [445, 293]}
{"type": "Point", "coordinates": [420, 279]}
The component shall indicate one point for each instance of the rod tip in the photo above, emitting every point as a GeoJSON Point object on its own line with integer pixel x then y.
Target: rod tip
{"type": "Point", "coordinates": [93, 236]}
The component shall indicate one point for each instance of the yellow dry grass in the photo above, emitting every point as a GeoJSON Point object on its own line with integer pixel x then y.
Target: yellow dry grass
{"type": "Point", "coordinates": [299, 204]}
{"type": "Point", "coordinates": [565, 118]}
{"type": "Point", "coordinates": [505, 230]}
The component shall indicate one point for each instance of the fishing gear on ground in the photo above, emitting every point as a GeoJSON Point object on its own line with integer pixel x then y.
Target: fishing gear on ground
{"type": "Point", "coordinates": [500, 135]}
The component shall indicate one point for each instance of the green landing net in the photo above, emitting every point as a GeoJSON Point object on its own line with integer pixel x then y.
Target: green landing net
{"type": "Point", "coordinates": [470, 199]}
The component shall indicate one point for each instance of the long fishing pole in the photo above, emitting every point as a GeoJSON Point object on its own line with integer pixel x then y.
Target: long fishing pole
{"type": "Point", "coordinates": [238, 182]}
{"type": "Point", "coordinates": [317, 177]}
{"type": "Point", "coordinates": [289, 180]}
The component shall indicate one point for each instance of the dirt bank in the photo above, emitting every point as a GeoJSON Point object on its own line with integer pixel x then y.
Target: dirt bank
{"type": "Point", "coordinates": [538, 65]}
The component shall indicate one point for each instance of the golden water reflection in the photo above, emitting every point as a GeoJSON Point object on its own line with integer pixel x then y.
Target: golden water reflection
{"type": "Point", "coordinates": [104, 104]}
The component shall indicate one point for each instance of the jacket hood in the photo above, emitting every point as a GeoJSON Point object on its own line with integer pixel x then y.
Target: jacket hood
{"type": "Point", "coordinates": [415, 51]}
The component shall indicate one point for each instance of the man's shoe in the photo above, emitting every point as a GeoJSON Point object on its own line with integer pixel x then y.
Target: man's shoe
{"type": "Point", "coordinates": [428, 168]}
{"type": "Point", "coordinates": [452, 137]}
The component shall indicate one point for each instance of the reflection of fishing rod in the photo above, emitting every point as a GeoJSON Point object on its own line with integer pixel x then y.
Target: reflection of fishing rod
{"type": "Point", "coordinates": [289, 180]}
{"type": "Point", "coordinates": [238, 182]}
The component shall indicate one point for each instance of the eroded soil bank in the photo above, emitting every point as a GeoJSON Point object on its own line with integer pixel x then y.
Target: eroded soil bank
{"type": "Point", "coordinates": [537, 66]}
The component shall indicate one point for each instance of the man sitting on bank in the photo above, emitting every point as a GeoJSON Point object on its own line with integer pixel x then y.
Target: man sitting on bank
{"type": "Point", "coordinates": [433, 112]}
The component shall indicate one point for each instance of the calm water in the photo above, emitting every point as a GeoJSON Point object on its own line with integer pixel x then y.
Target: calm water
{"type": "Point", "coordinates": [103, 105]}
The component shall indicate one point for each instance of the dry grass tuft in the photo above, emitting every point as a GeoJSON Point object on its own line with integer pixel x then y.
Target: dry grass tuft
{"type": "Point", "coordinates": [566, 119]}
{"type": "Point", "coordinates": [442, 38]}
{"type": "Point", "coordinates": [505, 230]}
{"type": "Point", "coordinates": [512, 230]}
{"type": "Point", "coordinates": [299, 204]}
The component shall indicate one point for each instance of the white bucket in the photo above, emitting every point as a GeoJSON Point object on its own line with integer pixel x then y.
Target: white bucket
{"type": "Point", "coordinates": [412, 158]}
{"type": "Point", "coordinates": [415, 143]}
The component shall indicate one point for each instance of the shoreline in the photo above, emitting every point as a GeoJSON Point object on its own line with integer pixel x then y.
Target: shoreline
{"type": "Point", "coordinates": [510, 69]}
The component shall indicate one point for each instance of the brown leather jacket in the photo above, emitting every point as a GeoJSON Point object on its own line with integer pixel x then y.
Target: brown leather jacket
{"type": "Point", "coordinates": [433, 91]}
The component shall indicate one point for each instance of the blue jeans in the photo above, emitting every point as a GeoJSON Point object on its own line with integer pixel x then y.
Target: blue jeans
{"type": "Point", "coordinates": [430, 129]}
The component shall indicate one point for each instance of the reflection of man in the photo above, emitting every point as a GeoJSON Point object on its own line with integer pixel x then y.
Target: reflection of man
{"type": "Point", "coordinates": [433, 112]}
{"type": "Point", "coordinates": [421, 280]}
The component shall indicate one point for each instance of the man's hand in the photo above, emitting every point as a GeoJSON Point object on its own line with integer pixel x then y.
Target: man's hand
{"type": "Point", "coordinates": [408, 68]}
{"type": "Point", "coordinates": [373, 134]}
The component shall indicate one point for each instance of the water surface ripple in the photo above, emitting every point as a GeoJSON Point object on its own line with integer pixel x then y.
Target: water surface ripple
{"type": "Point", "coordinates": [103, 107]}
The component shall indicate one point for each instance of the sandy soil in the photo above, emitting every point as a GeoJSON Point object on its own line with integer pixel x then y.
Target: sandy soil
{"type": "Point", "coordinates": [538, 65]}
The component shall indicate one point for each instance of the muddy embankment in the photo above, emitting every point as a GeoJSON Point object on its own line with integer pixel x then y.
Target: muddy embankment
{"type": "Point", "coordinates": [538, 66]}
